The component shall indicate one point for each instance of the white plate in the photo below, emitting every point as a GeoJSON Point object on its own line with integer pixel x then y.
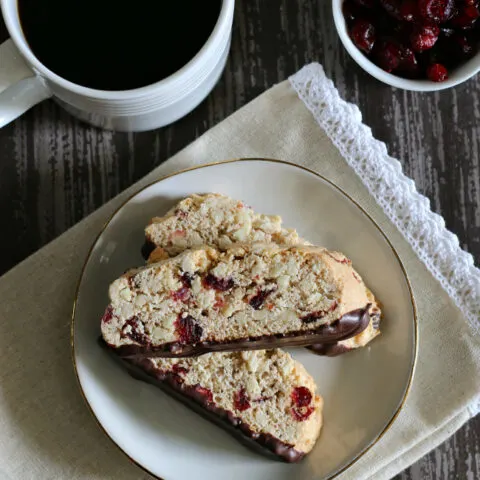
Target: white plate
{"type": "Point", "coordinates": [363, 390]}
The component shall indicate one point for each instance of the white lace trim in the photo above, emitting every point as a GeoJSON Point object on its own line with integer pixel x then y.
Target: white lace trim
{"type": "Point", "coordinates": [438, 248]}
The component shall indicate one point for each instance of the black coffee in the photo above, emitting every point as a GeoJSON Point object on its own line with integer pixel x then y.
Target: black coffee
{"type": "Point", "coordinates": [114, 44]}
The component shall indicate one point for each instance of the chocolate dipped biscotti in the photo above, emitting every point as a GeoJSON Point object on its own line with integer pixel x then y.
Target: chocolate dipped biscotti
{"type": "Point", "coordinates": [219, 221]}
{"type": "Point", "coordinates": [264, 398]}
{"type": "Point", "coordinates": [246, 297]}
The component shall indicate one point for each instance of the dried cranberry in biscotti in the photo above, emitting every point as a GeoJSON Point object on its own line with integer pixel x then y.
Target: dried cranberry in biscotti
{"type": "Point", "coordinates": [240, 400]}
{"type": "Point", "coordinates": [220, 284]}
{"type": "Point", "coordinates": [187, 329]}
{"type": "Point", "coordinates": [257, 301]}
{"type": "Point", "coordinates": [186, 279]}
{"type": "Point", "coordinates": [232, 304]}
{"type": "Point", "coordinates": [301, 396]}
{"type": "Point", "coordinates": [108, 315]}
{"type": "Point", "coordinates": [132, 329]}
{"type": "Point", "coordinates": [181, 295]}
{"type": "Point", "coordinates": [205, 393]}
{"type": "Point", "coordinates": [301, 399]}
{"type": "Point", "coordinates": [284, 416]}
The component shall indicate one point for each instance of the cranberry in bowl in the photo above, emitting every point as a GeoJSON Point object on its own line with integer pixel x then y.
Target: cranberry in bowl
{"type": "Point", "coordinates": [421, 45]}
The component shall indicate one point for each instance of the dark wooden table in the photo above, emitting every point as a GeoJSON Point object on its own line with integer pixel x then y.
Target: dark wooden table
{"type": "Point", "coordinates": [55, 170]}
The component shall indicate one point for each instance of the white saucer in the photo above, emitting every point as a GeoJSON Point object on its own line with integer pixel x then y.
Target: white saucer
{"type": "Point", "coordinates": [363, 390]}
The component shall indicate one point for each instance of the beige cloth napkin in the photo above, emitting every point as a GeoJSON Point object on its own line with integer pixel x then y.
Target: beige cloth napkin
{"type": "Point", "coordinates": [46, 431]}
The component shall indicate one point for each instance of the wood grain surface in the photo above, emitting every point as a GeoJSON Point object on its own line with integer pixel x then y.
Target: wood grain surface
{"type": "Point", "coordinates": [55, 170]}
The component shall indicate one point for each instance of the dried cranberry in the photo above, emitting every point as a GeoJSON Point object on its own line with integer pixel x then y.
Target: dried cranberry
{"type": "Point", "coordinates": [205, 393]}
{"type": "Point", "coordinates": [301, 396]}
{"type": "Point", "coordinates": [108, 315]}
{"type": "Point", "coordinates": [453, 50]}
{"type": "Point", "coordinates": [437, 11]}
{"type": "Point", "coordinates": [221, 284]}
{"type": "Point", "coordinates": [301, 399]}
{"type": "Point", "coordinates": [409, 67]}
{"type": "Point", "coordinates": [409, 11]}
{"type": "Point", "coordinates": [461, 46]}
{"type": "Point", "coordinates": [363, 35]}
{"type": "Point", "coordinates": [188, 330]}
{"type": "Point", "coordinates": [437, 72]}
{"type": "Point", "coordinates": [257, 300]}
{"type": "Point", "coordinates": [414, 38]}
{"type": "Point", "coordinates": [134, 331]}
{"type": "Point", "coordinates": [392, 7]}
{"type": "Point", "coordinates": [177, 368]}
{"type": "Point", "coordinates": [466, 17]}
{"type": "Point", "coordinates": [424, 38]}
{"type": "Point", "coordinates": [181, 295]}
{"type": "Point", "coordinates": [241, 400]}
{"type": "Point", "coordinates": [186, 279]}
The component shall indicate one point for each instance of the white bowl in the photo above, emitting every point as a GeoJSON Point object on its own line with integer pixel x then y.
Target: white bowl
{"type": "Point", "coordinates": [459, 75]}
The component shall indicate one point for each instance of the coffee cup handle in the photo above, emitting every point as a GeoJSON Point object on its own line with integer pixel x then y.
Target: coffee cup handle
{"type": "Point", "coordinates": [20, 88]}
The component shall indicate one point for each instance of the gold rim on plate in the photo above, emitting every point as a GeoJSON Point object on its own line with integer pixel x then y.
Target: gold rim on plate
{"type": "Point", "coordinates": [329, 182]}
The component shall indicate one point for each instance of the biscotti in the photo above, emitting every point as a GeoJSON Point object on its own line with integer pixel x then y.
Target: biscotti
{"type": "Point", "coordinates": [264, 397]}
{"type": "Point", "coordinates": [246, 297]}
{"type": "Point", "coordinates": [215, 220]}
{"type": "Point", "coordinates": [219, 221]}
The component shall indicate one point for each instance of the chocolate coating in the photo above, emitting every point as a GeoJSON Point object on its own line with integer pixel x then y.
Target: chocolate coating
{"type": "Point", "coordinates": [329, 350]}
{"type": "Point", "coordinates": [172, 384]}
{"type": "Point", "coordinates": [345, 327]}
{"type": "Point", "coordinates": [147, 248]}
{"type": "Point", "coordinates": [335, 349]}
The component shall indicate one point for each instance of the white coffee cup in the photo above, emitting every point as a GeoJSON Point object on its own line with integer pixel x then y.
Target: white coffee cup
{"type": "Point", "coordinates": [24, 82]}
